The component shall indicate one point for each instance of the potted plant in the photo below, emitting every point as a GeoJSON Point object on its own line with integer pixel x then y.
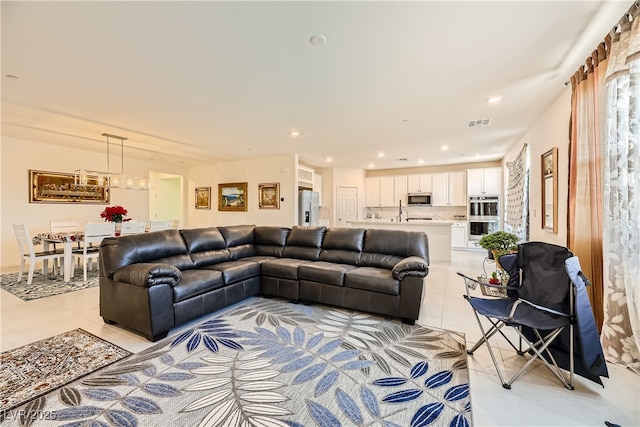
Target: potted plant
{"type": "Point", "coordinates": [499, 243]}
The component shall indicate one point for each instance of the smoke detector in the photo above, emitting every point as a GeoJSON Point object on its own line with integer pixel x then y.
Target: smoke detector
{"type": "Point", "coordinates": [478, 123]}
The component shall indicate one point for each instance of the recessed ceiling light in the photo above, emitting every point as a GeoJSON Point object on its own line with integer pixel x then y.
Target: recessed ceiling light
{"type": "Point", "coordinates": [371, 165]}
{"type": "Point", "coordinates": [295, 133]}
{"type": "Point", "coordinates": [444, 148]}
{"type": "Point", "coordinates": [317, 39]}
{"type": "Point", "coordinates": [420, 161]}
{"type": "Point", "coordinates": [329, 159]}
{"type": "Point", "coordinates": [380, 154]}
{"type": "Point", "coordinates": [494, 99]}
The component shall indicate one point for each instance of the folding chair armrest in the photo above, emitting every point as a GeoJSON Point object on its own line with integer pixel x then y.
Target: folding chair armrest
{"type": "Point", "coordinates": [539, 307]}
{"type": "Point", "coordinates": [469, 283]}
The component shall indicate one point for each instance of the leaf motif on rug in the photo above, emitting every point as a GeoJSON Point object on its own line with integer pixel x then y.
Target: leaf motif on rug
{"type": "Point", "coordinates": [271, 363]}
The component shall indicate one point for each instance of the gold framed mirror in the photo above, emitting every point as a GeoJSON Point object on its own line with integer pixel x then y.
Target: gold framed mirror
{"type": "Point", "coordinates": [550, 190]}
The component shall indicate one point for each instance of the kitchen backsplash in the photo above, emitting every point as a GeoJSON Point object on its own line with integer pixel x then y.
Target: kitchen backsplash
{"type": "Point", "coordinates": [434, 212]}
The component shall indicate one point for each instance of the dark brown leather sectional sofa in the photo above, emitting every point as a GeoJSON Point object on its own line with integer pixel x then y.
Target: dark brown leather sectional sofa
{"type": "Point", "coordinates": [153, 282]}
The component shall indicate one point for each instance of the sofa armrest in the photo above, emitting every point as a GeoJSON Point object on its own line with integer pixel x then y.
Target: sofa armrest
{"type": "Point", "coordinates": [148, 274]}
{"type": "Point", "coordinates": [410, 266]}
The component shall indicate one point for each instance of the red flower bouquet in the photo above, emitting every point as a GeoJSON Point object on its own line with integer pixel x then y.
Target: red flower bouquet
{"type": "Point", "coordinates": [113, 213]}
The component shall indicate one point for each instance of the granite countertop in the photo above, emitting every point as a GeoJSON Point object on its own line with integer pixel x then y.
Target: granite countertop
{"type": "Point", "coordinates": [420, 222]}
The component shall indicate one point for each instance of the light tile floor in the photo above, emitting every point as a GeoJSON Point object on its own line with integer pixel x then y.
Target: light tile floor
{"type": "Point", "coordinates": [536, 399]}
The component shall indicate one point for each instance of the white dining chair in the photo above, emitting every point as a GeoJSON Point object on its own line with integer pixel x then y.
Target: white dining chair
{"type": "Point", "coordinates": [28, 252]}
{"type": "Point", "coordinates": [159, 225]}
{"type": "Point", "coordinates": [94, 232]}
{"type": "Point", "coordinates": [174, 224]}
{"type": "Point", "coordinates": [132, 227]}
{"type": "Point", "coordinates": [58, 227]}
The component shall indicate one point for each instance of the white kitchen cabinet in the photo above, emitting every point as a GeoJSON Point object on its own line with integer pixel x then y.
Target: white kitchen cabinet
{"type": "Point", "coordinates": [387, 196]}
{"type": "Point", "coordinates": [419, 183]}
{"type": "Point", "coordinates": [400, 189]}
{"type": "Point", "coordinates": [482, 182]}
{"type": "Point", "coordinates": [459, 235]}
{"type": "Point", "coordinates": [372, 191]}
{"type": "Point", "coordinates": [449, 189]}
{"type": "Point", "coordinates": [379, 191]}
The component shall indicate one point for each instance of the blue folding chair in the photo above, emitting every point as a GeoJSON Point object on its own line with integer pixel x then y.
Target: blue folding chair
{"type": "Point", "coordinates": [547, 305]}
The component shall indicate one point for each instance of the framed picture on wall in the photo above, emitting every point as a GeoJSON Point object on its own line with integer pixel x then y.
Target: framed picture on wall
{"type": "Point", "coordinates": [60, 187]}
{"type": "Point", "coordinates": [203, 197]}
{"type": "Point", "coordinates": [269, 196]}
{"type": "Point", "coordinates": [549, 166]}
{"type": "Point", "coordinates": [232, 197]}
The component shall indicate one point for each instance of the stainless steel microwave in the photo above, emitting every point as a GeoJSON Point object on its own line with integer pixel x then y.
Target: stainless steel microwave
{"type": "Point", "coordinates": [419, 199]}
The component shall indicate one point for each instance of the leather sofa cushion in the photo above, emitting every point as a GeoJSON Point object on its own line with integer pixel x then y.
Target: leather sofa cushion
{"type": "Point", "coordinates": [203, 239]}
{"type": "Point", "coordinates": [236, 271]}
{"type": "Point", "coordinates": [206, 246]}
{"type": "Point", "coordinates": [242, 251]}
{"type": "Point", "coordinates": [310, 237]}
{"type": "Point", "coordinates": [270, 241]}
{"type": "Point", "coordinates": [348, 239]}
{"type": "Point", "coordinates": [372, 279]}
{"type": "Point", "coordinates": [396, 242]}
{"type": "Point", "coordinates": [283, 268]}
{"type": "Point", "coordinates": [182, 262]}
{"type": "Point", "coordinates": [259, 258]}
{"type": "Point", "coordinates": [324, 272]}
{"type": "Point", "coordinates": [236, 235]}
{"type": "Point", "coordinates": [197, 282]}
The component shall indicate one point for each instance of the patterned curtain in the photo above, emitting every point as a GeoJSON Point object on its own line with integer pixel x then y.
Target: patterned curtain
{"type": "Point", "coordinates": [621, 329]}
{"type": "Point", "coordinates": [517, 203]}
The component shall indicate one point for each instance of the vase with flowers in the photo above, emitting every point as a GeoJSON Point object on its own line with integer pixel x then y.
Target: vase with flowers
{"type": "Point", "coordinates": [114, 214]}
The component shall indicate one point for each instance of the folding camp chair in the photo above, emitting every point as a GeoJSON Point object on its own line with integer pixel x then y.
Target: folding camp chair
{"type": "Point", "coordinates": [547, 305]}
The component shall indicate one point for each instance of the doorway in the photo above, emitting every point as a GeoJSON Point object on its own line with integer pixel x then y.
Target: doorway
{"type": "Point", "coordinates": [166, 197]}
{"type": "Point", "coordinates": [347, 202]}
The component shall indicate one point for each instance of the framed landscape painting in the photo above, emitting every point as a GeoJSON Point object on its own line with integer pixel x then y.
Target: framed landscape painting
{"type": "Point", "coordinates": [269, 196]}
{"type": "Point", "coordinates": [203, 197]}
{"type": "Point", "coordinates": [232, 197]}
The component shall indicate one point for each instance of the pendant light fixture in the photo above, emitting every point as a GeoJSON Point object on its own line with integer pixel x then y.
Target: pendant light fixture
{"type": "Point", "coordinates": [109, 179]}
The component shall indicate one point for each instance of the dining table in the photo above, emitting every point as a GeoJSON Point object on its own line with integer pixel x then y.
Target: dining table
{"type": "Point", "coordinates": [68, 240]}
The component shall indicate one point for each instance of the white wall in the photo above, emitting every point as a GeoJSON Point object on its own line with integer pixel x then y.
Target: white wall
{"type": "Point", "coordinates": [550, 130]}
{"type": "Point", "coordinates": [19, 156]}
{"type": "Point", "coordinates": [252, 171]}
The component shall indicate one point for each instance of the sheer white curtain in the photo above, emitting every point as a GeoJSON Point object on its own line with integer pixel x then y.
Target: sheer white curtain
{"type": "Point", "coordinates": [621, 245]}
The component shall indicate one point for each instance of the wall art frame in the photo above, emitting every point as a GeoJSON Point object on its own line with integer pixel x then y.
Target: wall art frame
{"type": "Point", "coordinates": [60, 187]}
{"type": "Point", "coordinates": [232, 197]}
{"type": "Point", "coordinates": [269, 195]}
{"type": "Point", "coordinates": [549, 173]}
{"type": "Point", "coordinates": [203, 197]}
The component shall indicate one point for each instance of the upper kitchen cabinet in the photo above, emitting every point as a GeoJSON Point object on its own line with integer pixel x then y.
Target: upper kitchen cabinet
{"type": "Point", "coordinates": [449, 189]}
{"type": "Point", "coordinates": [380, 191]}
{"type": "Point", "coordinates": [419, 183]}
{"type": "Point", "coordinates": [400, 189]}
{"type": "Point", "coordinates": [482, 182]}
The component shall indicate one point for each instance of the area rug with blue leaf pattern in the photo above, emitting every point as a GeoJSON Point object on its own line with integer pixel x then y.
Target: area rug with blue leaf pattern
{"type": "Point", "coordinates": [267, 362]}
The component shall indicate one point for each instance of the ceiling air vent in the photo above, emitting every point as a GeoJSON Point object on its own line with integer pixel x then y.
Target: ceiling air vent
{"type": "Point", "coordinates": [402, 159]}
{"type": "Point", "coordinates": [478, 123]}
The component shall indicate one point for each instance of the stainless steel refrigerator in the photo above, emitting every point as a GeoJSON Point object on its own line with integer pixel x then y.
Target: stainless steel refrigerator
{"type": "Point", "coordinates": [308, 207]}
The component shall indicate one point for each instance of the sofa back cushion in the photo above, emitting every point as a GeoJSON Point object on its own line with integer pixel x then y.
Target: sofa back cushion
{"type": "Point", "coordinates": [304, 242]}
{"type": "Point", "coordinates": [206, 246]}
{"type": "Point", "coordinates": [385, 248]}
{"type": "Point", "coordinates": [165, 246]}
{"type": "Point", "coordinates": [342, 245]}
{"type": "Point", "coordinates": [270, 241]}
{"type": "Point", "coordinates": [239, 239]}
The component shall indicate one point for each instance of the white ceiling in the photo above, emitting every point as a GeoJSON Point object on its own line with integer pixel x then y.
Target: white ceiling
{"type": "Point", "coordinates": [201, 82]}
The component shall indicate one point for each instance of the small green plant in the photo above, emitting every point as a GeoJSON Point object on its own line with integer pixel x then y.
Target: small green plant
{"type": "Point", "coordinates": [499, 242]}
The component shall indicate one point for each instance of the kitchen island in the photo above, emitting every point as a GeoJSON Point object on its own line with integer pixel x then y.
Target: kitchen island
{"type": "Point", "coordinates": [438, 231]}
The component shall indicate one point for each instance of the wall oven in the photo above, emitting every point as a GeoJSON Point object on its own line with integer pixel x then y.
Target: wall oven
{"type": "Point", "coordinates": [484, 216]}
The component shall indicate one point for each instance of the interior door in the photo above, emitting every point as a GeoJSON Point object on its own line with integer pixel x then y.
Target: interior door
{"type": "Point", "coordinates": [347, 205]}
